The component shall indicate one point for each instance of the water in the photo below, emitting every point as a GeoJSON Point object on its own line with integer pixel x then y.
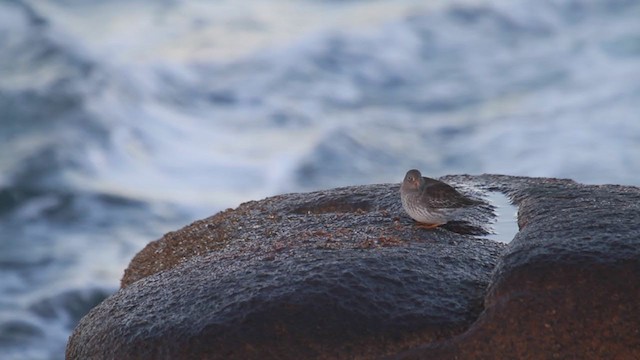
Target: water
{"type": "Point", "coordinates": [120, 121]}
{"type": "Point", "coordinates": [506, 224]}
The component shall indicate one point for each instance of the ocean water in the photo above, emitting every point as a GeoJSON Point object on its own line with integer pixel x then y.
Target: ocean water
{"type": "Point", "coordinates": [122, 120]}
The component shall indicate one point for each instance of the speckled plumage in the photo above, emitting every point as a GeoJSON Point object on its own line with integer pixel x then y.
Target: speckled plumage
{"type": "Point", "coordinates": [431, 202]}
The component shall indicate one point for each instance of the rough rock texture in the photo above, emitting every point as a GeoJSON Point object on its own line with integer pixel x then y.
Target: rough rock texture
{"type": "Point", "coordinates": [569, 285]}
{"type": "Point", "coordinates": [344, 273]}
{"type": "Point", "coordinates": [330, 274]}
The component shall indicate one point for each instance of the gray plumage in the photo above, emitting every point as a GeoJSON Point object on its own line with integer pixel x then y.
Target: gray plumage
{"type": "Point", "coordinates": [430, 201]}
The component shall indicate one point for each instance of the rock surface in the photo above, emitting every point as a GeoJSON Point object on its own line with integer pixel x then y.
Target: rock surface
{"type": "Point", "coordinates": [568, 287]}
{"type": "Point", "coordinates": [344, 273]}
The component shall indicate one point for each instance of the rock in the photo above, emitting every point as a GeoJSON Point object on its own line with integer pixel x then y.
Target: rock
{"type": "Point", "coordinates": [344, 273]}
{"type": "Point", "coordinates": [340, 273]}
{"type": "Point", "coordinates": [568, 287]}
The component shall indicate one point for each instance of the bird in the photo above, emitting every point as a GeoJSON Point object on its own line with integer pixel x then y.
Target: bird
{"type": "Point", "coordinates": [431, 202]}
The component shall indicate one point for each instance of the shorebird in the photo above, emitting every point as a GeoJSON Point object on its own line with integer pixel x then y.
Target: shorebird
{"type": "Point", "coordinates": [431, 202]}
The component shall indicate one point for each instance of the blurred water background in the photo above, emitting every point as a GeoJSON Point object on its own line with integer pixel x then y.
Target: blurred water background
{"type": "Point", "coordinates": [122, 120]}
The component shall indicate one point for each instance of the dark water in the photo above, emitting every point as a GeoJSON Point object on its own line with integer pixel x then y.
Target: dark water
{"type": "Point", "coordinates": [124, 120]}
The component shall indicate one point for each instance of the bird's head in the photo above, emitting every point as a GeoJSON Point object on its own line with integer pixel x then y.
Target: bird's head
{"type": "Point", "coordinates": [412, 180]}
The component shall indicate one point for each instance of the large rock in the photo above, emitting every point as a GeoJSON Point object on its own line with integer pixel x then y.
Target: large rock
{"type": "Point", "coordinates": [568, 287]}
{"type": "Point", "coordinates": [337, 273]}
{"type": "Point", "coordinates": [344, 273]}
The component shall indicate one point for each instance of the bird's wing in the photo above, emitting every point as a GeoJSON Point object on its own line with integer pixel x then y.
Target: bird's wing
{"type": "Point", "coordinates": [441, 195]}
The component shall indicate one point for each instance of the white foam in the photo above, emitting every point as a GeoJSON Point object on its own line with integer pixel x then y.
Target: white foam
{"type": "Point", "coordinates": [222, 30]}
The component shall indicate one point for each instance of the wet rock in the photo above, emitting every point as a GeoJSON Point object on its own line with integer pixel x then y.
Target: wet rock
{"type": "Point", "coordinates": [569, 284]}
{"type": "Point", "coordinates": [344, 273]}
{"type": "Point", "coordinates": [341, 273]}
